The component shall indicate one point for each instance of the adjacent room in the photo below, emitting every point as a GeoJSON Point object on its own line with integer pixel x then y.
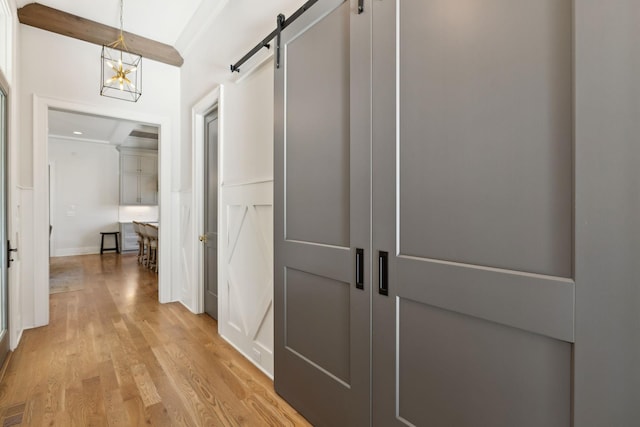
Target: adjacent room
{"type": "Point", "coordinates": [103, 176]}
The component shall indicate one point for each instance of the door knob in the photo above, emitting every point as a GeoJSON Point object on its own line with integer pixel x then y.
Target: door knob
{"type": "Point", "coordinates": [203, 238]}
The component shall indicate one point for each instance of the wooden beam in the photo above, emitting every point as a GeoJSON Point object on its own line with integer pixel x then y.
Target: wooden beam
{"type": "Point", "coordinates": [57, 21]}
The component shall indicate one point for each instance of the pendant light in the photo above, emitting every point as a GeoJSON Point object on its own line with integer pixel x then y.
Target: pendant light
{"type": "Point", "coordinates": [121, 75]}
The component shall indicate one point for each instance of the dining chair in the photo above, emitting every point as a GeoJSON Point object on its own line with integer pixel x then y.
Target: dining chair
{"type": "Point", "coordinates": [142, 244]}
{"type": "Point", "coordinates": [152, 234]}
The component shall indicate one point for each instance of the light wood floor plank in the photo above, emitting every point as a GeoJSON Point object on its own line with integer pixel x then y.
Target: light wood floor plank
{"type": "Point", "coordinates": [113, 356]}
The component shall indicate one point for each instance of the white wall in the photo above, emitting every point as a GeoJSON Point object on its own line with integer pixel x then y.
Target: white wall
{"type": "Point", "coordinates": [54, 67]}
{"type": "Point", "coordinates": [246, 169]}
{"type": "Point", "coordinates": [84, 195]}
{"type": "Point", "coordinates": [60, 67]}
{"type": "Point", "coordinates": [236, 29]}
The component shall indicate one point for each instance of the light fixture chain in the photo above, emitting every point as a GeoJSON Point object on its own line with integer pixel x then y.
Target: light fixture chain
{"type": "Point", "coordinates": [121, 16]}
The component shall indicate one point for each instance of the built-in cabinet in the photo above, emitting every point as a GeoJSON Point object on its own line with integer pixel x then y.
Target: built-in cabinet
{"type": "Point", "coordinates": [423, 207]}
{"type": "Point", "coordinates": [138, 177]}
{"type": "Point", "coordinates": [128, 237]}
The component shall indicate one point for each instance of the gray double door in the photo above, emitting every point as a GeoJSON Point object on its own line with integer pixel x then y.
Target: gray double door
{"type": "Point", "coordinates": [424, 214]}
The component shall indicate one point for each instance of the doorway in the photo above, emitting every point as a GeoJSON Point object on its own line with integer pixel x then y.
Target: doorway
{"type": "Point", "coordinates": [207, 117]}
{"type": "Point", "coordinates": [41, 218]}
{"type": "Point", "coordinates": [102, 177]}
{"type": "Point", "coordinates": [209, 237]}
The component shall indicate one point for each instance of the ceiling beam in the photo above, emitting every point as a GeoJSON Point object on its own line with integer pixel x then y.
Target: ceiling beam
{"type": "Point", "coordinates": [57, 21]}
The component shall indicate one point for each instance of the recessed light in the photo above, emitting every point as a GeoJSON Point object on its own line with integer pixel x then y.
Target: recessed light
{"type": "Point", "coordinates": [77, 132]}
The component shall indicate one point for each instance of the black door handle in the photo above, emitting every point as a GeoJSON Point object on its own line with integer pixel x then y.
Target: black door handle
{"type": "Point", "coordinates": [383, 273]}
{"type": "Point", "coordinates": [9, 250]}
{"type": "Point", "coordinates": [360, 268]}
{"type": "Point", "coordinates": [360, 6]}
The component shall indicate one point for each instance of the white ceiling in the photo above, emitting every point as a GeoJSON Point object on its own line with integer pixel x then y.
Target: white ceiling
{"type": "Point", "coordinates": [102, 130]}
{"type": "Point", "coordinates": [160, 20]}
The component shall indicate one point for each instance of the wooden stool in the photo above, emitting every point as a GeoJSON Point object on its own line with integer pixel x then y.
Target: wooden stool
{"type": "Point", "coordinates": [115, 236]}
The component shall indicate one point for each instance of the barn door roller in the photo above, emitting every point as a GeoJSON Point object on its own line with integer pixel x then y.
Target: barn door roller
{"type": "Point", "coordinates": [282, 23]}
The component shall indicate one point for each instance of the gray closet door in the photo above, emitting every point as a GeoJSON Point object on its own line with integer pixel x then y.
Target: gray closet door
{"type": "Point", "coordinates": [321, 207]}
{"type": "Point", "coordinates": [472, 202]}
{"type": "Point", "coordinates": [210, 236]}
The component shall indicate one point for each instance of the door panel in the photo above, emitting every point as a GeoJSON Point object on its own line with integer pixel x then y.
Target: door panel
{"type": "Point", "coordinates": [211, 215]}
{"type": "Point", "coordinates": [493, 185]}
{"type": "Point", "coordinates": [129, 191]}
{"type": "Point", "coordinates": [318, 202]}
{"type": "Point", "coordinates": [148, 165]}
{"type": "Point", "coordinates": [456, 370]}
{"type": "Point", "coordinates": [321, 211]}
{"type": "Point", "coordinates": [473, 195]}
{"type": "Point", "coordinates": [130, 164]}
{"type": "Point", "coordinates": [148, 189]}
{"type": "Point", "coordinates": [319, 308]}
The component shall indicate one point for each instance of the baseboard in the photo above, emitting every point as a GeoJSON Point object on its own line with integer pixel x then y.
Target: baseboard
{"type": "Point", "coordinates": [246, 356]}
{"type": "Point", "coordinates": [5, 365]}
{"type": "Point", "coordinates": [18, 339]}
{"type": "Point", "coordinates": [92, 250]}
{"type": "Point", "coordinates": [186, 306]}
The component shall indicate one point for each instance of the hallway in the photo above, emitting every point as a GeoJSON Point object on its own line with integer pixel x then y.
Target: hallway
{"type": "Point", "coordinates": [112, 355]}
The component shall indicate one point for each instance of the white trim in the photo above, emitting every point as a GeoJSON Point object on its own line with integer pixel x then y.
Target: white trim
{"type": "Point", "coordinates": [18, 338]}
{"type": "Point", "coordinates": [41, 106]}
{"type": "Point", "coordinates": [245, 183]}
{"type": "Point", "coordinates": [65, 138]}
{"type": "Point", "coordinates": [215, 97]}
{"type": "Point", "coordinates": [40, 212]}
{"type": "Point", "coordinates": [52, 203]}
{"type": "Point", "coordinates": [90, 250]}
{"type": "Point", "coordinates": [249, 358]}
{"type": "Point", "coordinates": [14, 195]}
{"type": "Point", "coordinates": [8, 36]}
{"type": "Point", "coordinates": [200, 22]}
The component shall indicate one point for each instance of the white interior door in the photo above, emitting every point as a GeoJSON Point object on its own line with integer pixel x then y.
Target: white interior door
{"type": "Point", "coordinates": [4, 264]}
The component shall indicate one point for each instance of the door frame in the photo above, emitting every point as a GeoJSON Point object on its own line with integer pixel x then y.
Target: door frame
{"type": "Point", "coordinates": [8, 315]}
{"type": "Point", "coordinates": [198, 113]}
{"type": "Point", "coordinates": [41, 106]}
{"type": "Point", "coordinates": [52, 201]}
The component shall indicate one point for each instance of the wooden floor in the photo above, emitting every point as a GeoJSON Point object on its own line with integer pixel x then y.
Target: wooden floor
{"type": "Point", "coordinates": [113, 356]}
